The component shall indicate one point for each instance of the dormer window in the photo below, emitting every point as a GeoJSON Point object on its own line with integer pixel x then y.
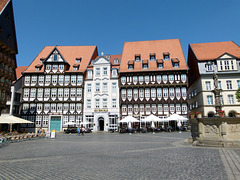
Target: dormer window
{"type": "Point", "coordinates": [130, 64]}
{"type": "Point", "coordinates": [38, 67]}
{"type": "Point", "coordinates": [76, 66]}
{"type": "Point", "coordinates": [209, 66]}
{"type": "Point", "coordinates": [116, 61]}
{"type": "Point", "coordinates": [78, 60]}
{"type": "Point", "coordinates": [152, 57]}
{"type": "Point", "coordinates": [166, 56]}
{"type": "Point", "coordinates": [42, 59]}
{"type": "Point", "coordinates": [145, 64]}
{"type": "Point", "coordinates": [175, 62]}
{"type": "Point", "coordinates": [159, 63]}
{"type": "Point", "coordinates": [137, 57]}
{"type": "Point", "coordinates": [108, 56]}
{"type": "Point", "coordinates": [55, 57]}
{"type": "Point", "coordinates": [130, 67]}
{"type": "Point", "coordinates": [176, 65]}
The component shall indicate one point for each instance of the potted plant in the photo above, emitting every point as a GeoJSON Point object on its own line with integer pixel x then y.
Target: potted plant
{"type": "Point", "coordinates": [221, 113]}
{"type": "Point", "coordinates": [192, 114]}
{"type": "Point", "coordinates": [199, 114]}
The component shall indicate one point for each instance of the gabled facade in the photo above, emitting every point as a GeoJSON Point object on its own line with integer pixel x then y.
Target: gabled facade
{"type": "Point", "coordinates": [8, 51]}
{"type": "Point", "coordinates": [101, 93]}
{"type": "Point", "coordinates": [153, 79]}
{"type": "Point", "coordinates": [205, 59]}
{"type": "Point", "coordinates": [53, 86]}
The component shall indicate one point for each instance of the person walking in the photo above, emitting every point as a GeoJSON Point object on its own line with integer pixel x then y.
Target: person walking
{"type": "Point", "coordinates": [83, 130]}
{"type": "Point", "coordinates": [78, 131]}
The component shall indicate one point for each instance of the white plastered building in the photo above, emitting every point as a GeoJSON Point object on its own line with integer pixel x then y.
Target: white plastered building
{"type": "Point", "coordinates": [101, 94]}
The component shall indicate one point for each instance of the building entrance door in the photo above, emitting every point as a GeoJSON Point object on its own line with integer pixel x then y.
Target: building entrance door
{"type": "Point", "coordinates": [55, 123]}
{"type": "Point", "coordinates": [101, 124]}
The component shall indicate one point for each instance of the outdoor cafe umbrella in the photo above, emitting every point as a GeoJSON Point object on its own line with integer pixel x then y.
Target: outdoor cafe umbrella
{"type": "Point", "coordinates": [128, 119]}
{"type": "Point", "coordinates": [152, 118]}
{"type": "Point", "coordinates": [176, 117]}
{"type": "Point", "coordinates": [70, 123]}
{"type": "Point", "coordinates": [8, 119]}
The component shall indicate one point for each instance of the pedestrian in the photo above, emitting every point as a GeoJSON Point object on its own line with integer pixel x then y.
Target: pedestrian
{"type": "Point", "coordinates": [83, 130]}
{"type": "Point", "coordinates": [78, 131]}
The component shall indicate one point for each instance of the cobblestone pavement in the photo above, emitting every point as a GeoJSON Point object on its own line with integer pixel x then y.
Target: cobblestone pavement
{"type": "Point", "coordinates": [117, 156]}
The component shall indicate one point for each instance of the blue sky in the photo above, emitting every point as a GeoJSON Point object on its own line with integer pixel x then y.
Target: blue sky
{"type": "Point", "coordinates": [110, 23]}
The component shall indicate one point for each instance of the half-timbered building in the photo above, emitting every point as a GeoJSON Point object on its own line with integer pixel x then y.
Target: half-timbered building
{"type": "Point", "coordinates": [53, 86]}
{"type": "Point", "coordinates": [153, 79]}
{"type": "Point", "coordinates": [8, 51]}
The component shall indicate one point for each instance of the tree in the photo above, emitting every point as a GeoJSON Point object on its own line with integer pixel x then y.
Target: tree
{"type": "Point", "coordinates": [238, 94]}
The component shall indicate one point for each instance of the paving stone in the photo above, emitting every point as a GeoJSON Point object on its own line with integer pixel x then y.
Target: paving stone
{"type": "Point", "coordinates": [111, 156]}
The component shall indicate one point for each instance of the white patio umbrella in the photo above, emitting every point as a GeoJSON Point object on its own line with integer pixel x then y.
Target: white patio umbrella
{"type": "Point", "coordinates": [129, 119]}
{"type": "Point", "coordinates": [70, 123]}
{"type": "Point", "coordinates": [176, 117]}
{"type": "Point", "coordinates": [152, 118]}
{"type": "Point", "coordinates": [12, 120]}
{"type": "Point", "coordinates": [8, 119]}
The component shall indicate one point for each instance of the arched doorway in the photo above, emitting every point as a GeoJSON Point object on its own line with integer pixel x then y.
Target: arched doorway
{"type": "Point", "coordinates": [231, 114]}
{"type": "Point", "coordinates": [101, 124]}
{"type": "Point", "coordinates": [211, 114]}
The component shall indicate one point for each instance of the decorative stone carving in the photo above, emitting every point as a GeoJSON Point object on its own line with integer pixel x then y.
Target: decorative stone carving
{"type": "Point", "coordinates": [234, 128]}
{"type": "Point", "coordinates": [216, 92]}
{"type": "Point", "coordinates": [211, 129]}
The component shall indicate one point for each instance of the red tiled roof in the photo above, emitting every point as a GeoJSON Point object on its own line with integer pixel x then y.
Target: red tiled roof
{"type": "Point", "coordinates": [211, 51]}
{"type": "Point", "coordinates": [19, 70]}
{"type": "Point", "coordinates": [69, 54]}
{"type": "Point", "coordinates": [3, 4]}
{"type": "Point", "coordinates": [173, 46]}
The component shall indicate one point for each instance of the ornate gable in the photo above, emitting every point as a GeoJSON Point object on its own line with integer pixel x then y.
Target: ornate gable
{"type": "Point", "coordinates": [55, 56]}
{"type": "Point", "coordinates": [101, 60]}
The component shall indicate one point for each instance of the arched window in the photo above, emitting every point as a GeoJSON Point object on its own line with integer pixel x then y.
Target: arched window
{"type": "Point", "coordinates": [231, 114]}
{"type": "Point", "coordinates": [211, 114]}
